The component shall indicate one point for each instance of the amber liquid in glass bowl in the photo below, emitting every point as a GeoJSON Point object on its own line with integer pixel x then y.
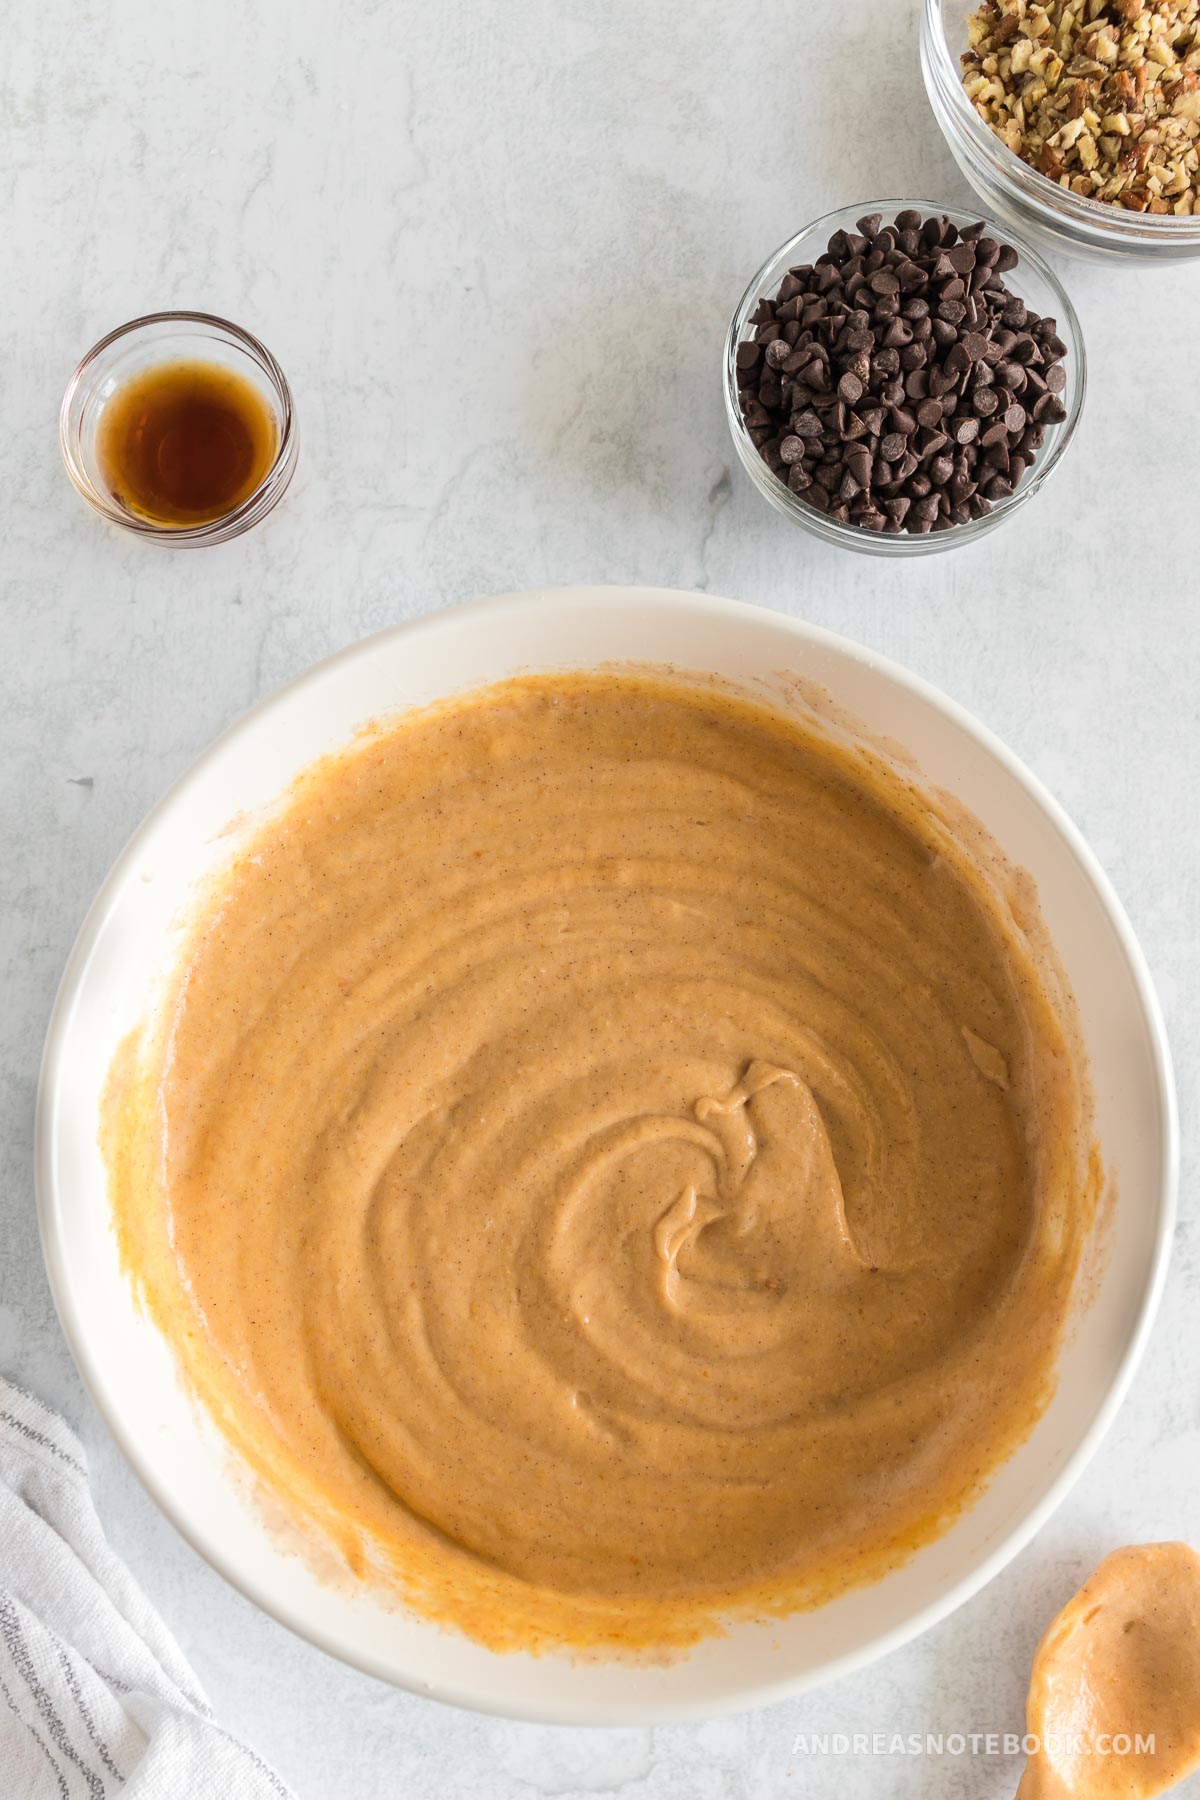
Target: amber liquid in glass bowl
{"type": "Point", "coordinates": [182, 443]}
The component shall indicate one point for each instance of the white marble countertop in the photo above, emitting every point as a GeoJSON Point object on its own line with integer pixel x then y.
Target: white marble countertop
{"type": "Point", "coordinates": [495, 248]}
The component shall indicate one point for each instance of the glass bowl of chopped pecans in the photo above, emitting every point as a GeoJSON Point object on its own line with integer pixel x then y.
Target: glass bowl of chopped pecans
{"type": "Point", "coordinates": [1076, 120]}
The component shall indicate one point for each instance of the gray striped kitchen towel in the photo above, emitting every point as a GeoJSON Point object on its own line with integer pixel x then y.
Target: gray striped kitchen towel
{"type": "Point", "coordinates": [95, 1696]}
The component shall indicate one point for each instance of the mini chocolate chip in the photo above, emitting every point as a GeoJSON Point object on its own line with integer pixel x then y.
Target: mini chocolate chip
{"type": "Point", "coordinates": [858, 461]}
{"type": "Point", "coordinates": [850, 388]}
{"type": "Point", "coordinates": [898, 335]}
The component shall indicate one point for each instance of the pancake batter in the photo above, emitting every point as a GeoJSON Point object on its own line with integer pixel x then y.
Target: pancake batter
{"type": "Point", "coordinates": [611, 1157]}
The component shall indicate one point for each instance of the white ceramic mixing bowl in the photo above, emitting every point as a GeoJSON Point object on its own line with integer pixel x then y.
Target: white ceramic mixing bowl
{"type": "Point", "coordinates": [125, 946]}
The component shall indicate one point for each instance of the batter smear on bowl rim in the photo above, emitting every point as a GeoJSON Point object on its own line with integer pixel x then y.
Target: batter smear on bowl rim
{"type": "Point", "coordinates": [613, 1157]}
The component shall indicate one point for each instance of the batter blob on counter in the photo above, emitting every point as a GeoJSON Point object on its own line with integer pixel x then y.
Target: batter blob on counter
{"type": "Point", "coordinates": [1114, 1694]}
{"type": "Point", "coordinates": [611, 1157]}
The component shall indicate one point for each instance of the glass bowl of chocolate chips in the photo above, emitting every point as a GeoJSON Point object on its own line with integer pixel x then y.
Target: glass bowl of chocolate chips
{"type": "Point", "coordinates": [899, 378]}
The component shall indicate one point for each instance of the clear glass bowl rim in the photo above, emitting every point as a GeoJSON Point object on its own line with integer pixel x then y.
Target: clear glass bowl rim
{"type": "Point", "coordinates": [854, 536]}
{"type": "Point", "coordinates": [1097, 221]}
{"type": "Point", "coordinates": [256, 505]}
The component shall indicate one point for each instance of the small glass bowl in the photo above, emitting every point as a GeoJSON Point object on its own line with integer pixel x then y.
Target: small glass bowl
{"type": "Point", "coordinates": [170, 337]}
{"type": "Point", "coordinates": [1031, 280]}
{"type": "Point", "coordinates": [1018, 195]}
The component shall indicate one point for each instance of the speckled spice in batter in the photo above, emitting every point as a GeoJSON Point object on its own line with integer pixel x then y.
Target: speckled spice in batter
{"type": "Point", "coordinates": [612, 1157]}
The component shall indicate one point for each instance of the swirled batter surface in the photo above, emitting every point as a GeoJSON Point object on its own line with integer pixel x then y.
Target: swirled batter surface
{"type": "Point", "coordinates": [612, 1157]}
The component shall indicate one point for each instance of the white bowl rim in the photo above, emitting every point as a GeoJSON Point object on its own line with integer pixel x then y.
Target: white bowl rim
{"type": "Point", "coordinates": [762, 1693]}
